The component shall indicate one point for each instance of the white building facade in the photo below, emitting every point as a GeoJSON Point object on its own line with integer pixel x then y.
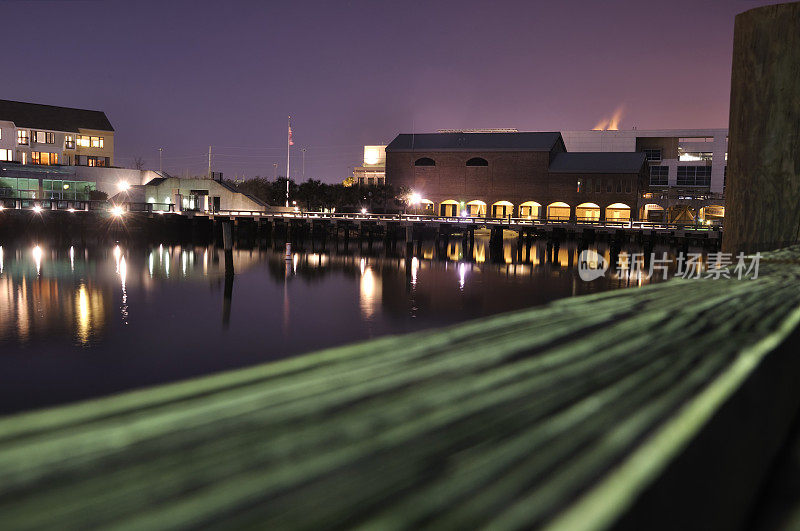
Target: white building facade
{"type": "Point", "coordinates": [690, 158]}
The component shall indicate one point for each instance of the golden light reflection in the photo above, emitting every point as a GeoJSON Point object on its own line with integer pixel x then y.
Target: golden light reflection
{"type": "Point", "coordinates": [84, 322]}
{"type": "Point", "coordinates": [370, 296]}
{"type": "Point", "coordinates": [71, 258]}
{"type": "Point", "coordinates": [37, 259]}
{"type": "Point", "coordinates": [414, 270]}
{"type": "Point", "coordinates": [1, 259]}
{"type": "Point", "coordinates": [123, 276]}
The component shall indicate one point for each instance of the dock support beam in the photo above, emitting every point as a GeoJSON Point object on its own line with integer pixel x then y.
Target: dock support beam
{"type": "Point", "coordinates": [764, 134]}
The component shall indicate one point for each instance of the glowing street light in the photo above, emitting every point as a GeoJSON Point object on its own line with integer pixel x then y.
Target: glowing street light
{"type": "Point", "coordinates": [117, 210]}
{"type": "Point", "coordinates": [37, 209]}
{"type": "Point", "coordinates": [415, 198]}
{"type": "Point", "coordinates": [363, 210]}
{"type": "Point", "coordinates": [123, 186]}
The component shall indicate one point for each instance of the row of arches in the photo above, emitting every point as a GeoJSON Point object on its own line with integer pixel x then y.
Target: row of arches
{"type": "Point", "coordinates": [474, 161]}
{"type": "Point", "coordinates": [529, 209]}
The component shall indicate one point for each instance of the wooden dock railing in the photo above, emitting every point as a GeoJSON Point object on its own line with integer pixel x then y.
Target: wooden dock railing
{"type": "Point", "coordinates": [651, 408]}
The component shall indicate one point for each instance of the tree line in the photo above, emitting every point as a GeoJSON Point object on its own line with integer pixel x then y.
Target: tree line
{"type": "Point", "coordinates": [314, 195]}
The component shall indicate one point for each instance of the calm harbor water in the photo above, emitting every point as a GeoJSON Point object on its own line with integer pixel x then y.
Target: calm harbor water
{"type": "Point", "coordinates": [82, 322]}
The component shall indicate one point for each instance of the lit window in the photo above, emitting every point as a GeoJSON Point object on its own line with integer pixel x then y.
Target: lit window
{"type": "Point", "coordinates": [83, 141]}
{"type": "Point", "coordinates": [43, 137]}
{"type": "Point", "coordinates": [6, 155]}
{"type": "Point", "coordinates": [69, 142]}
{"type": "Point", "coordinates": [694, 156]}
{"type": "Point", "coordinates": [46, 159]}
{"type": "Point", "coordinates": [22, 137]}
{"type": "Point", "coordinates": [97, 141]}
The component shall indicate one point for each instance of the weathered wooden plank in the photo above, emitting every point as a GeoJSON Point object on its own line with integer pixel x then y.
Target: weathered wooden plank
{"type": "Point", "coordinates": [561, 416]}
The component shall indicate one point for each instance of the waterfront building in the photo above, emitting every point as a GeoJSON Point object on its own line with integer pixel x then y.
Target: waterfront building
{"type": "Point", "coordinates": [373, 170]}
{"type": "Point", "coordinates": [686, 168]}
{"type": "Point", "coordinates": [179, 194]}
{"type": "Point", "coordinates": [31, 133]}
{"type": "Point", "coordinates": [513, 174]}
{"type": "Point", "coordinates": [58, 153]}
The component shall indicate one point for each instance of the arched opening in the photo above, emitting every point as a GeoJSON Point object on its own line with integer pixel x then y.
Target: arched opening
{"type": "Point", "coordinates": [476, 209]}
{"type": "Point", "coordinates": [422, 207]}
{"type": "Point", "coordinates": [653, 212]}
{"type": "Point", "coordinates": [425, 161]}
{"type": "Point", "coordinates": [477, 161]}
{"type": "Point", "coordinates": [426, 206]}
{"type": "Point", "coordinates": [558, 211]}
{"type": "Point", "coordinates": [448, 208]}
{"type": "Point", "coordinates": [502, 209]}
{"type": "Point", "coordinates": [618, 212]}
{"type": "Point", "coordinates": [587, 212]}
{"type": "Point", "coordinates": [530, 210]}
{"type": "Point", "coordinates": [712, 214]}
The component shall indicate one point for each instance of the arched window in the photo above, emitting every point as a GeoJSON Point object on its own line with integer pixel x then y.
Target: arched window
{"type": "Point", "coordinates": [424, 161]}
{"type": "Point", "coordinates": [477, 161]}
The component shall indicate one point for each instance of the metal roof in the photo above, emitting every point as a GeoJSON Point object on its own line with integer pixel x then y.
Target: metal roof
{"type": "Point", "coordinates": [475, 142]}
{"type": "Point", "coordinates": [598, 162]}
{"type": "Point", "coordinates": [52, 118]}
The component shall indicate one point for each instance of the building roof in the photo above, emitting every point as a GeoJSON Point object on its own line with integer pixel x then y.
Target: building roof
{"type": "Point", "coordinates": [52, 118]}
{"type": "Point", "coordinates": [598, 162]}
{"type": "Point", "coordinates": [475, 142]}
{"type": "Point", "coordinates": [158, 181]}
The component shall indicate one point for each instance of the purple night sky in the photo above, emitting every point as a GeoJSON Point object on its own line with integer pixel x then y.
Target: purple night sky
{"type": "Point", "coordinates": [186, 75]}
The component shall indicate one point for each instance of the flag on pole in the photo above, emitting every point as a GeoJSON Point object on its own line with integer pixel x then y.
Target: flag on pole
{"type": "Point", "coordinates": [291, 142]}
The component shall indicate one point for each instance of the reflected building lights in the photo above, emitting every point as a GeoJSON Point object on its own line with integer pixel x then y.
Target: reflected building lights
{"type": "Point", "coordinates": [37, 259]}
{"type": "Point", "coordinates": [82, 312]}
{"type": "Point", "coordinates": [1, 259]}
{"type": "Point", "coordinates": [117, 254]}
{"type": "Point", "coordinates": [123, 276]}
{"type": "Point", "coordinates": [414, 270]}
{"type": "Point", "coordinates": [369, 292]}
{"type": "Point", "coordinates": [462, 275]}
{"type": "Point", "coordinates": [150, 264]}
{"type": "Point", "coordinates": [71, 258]}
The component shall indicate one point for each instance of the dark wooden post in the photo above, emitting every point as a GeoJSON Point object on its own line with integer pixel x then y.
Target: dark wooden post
{"type": "Point", "coordinates": [227, 244]}
{"type": "Point", "coordinates": [763, 189]}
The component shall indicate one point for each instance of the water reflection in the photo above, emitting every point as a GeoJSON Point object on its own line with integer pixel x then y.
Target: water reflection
{"type": "Point", "coordinates": [145, 325]}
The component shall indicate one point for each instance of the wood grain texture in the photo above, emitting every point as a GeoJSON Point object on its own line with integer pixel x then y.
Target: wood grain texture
{"type": "Point", "coordinates": [559, 417]}
{"type": "Point", "coordinates": [763, 184]}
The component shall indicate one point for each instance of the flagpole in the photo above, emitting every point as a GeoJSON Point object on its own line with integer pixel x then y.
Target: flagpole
{"type": "Point", "coordinates": [288, 144]}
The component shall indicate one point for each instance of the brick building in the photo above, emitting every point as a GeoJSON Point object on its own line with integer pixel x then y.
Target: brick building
{"type": "Point", "coordinates": [528, 175]}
